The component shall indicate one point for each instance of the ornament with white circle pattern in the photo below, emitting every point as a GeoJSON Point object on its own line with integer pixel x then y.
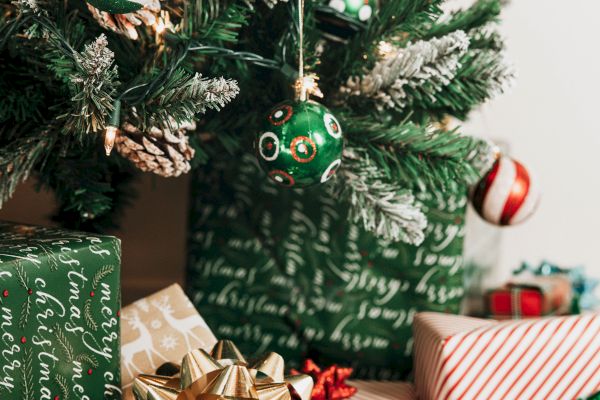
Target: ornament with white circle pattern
{"type": "Point", "coordinates": [300, 145]}
{"type": "Point", "coordinates": [340, 19]}
{"type": "Point", "coordinates": [507, 194]}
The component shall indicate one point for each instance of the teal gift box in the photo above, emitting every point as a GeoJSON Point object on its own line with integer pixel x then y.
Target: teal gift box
{"type": "Point", "coordinates": [59, 307]}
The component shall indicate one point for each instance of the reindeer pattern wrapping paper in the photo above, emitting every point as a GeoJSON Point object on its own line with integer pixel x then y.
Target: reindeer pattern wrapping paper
{"type": "Point", "coordinates": [159, 328]}
{"type": "Point", "coordinates": [59, 300]}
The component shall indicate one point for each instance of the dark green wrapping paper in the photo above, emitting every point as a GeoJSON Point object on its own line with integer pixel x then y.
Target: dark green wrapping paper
{"type": "Point", "coordinates": [283, 270]}
{"type": "Point", "coordinates": [59, 329]}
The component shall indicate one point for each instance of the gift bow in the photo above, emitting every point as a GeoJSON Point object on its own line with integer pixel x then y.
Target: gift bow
{"type": "Point", "coordinates": [223, 374]}
{"type": "Point", "coordinates": [330, 383]}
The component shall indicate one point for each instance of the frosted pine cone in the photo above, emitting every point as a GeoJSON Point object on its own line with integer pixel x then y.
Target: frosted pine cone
{"type": "Point", "coordinates": [125, 24]}
{"type": "Point", "coordinates": [163, 152]}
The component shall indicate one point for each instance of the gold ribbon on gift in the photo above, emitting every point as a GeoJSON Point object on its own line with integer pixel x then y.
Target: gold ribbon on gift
{"type": "Point", "coordinates": [223, 374]}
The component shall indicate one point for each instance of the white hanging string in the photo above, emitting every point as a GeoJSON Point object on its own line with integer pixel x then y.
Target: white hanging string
{"type": "Point", "coordinates": [303, 95]}
{"type": "Point", "coordinates": [306, 85]}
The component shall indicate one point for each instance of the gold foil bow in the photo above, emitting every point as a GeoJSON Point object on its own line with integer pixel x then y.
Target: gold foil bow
{"type": "Point", "coordinates": [223, 374]}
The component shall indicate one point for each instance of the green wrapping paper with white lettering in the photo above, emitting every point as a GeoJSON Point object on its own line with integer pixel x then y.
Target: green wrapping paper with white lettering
{"type": "Point", "coordinates": [59, 304]}
{"type": "Point", "coordinates": [284, 270]}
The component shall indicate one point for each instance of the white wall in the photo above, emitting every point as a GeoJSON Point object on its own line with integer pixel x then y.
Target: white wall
{"type": "Point", "coordinates": [551, 120]}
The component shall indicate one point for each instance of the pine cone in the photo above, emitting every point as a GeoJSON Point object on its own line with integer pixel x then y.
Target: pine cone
{"type": "Point", "coordinates": [162, 152]}
{"type": "Point", "coordinates": [125, 24]}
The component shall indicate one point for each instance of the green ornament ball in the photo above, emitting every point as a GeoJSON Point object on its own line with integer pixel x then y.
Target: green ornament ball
{"type": "Point", "coordinates": [300, 145]}
{"type": "Point", "coordinates": [359, 10]}
{"type": "Point", "coordinates": [117, 6]}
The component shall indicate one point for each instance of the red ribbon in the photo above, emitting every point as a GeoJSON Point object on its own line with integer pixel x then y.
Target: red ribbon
{"type": "Point", "coordinates": [329, 383]}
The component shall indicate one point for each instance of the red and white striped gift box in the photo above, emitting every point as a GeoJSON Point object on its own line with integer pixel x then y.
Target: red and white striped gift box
{"type": "Point", "coordinates": [373, 390]}
{"type": "Point", "coordinates": [555, 358]}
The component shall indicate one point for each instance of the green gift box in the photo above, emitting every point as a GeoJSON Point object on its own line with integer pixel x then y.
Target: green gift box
{"type": "Point", "coordinates": [284, 270]}
{"type": "Point", "coordinates": [59, 305]}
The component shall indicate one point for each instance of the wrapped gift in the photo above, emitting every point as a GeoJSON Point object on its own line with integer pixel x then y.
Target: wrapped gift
{"type": "Point", "coordinates": [531, 297]}
{"type": "Point", "coordinates": [330, 382]}
{"type": "Point", "coordinates": [285, 270]}
{"type": "Point", "coordinates": [223, 374]}
{"type": "Point", "coordinates": [370, 390]}
{"type": "Point", "coordinates": [159, 328]}
{"type": "Point", "coordinates": [59, 300]}
{"type": "Point", "coordinates": [467, 358]}
{"type": "Point", "coordinates": [583, 285]}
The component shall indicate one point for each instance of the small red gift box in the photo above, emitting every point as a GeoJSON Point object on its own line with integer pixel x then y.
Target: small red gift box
{"type": "Point", "coordinates": [532, 297]}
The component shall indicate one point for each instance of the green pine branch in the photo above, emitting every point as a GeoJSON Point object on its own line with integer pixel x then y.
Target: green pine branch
{"type": "Point", "coordinates": [377, 202]}
{"type": "Point", "coordinates": [61, 82]}
{"type": "Point", "coordinates": [397, 22]}
{"type": "Point", "coordinates": [21, 100]}
{"type": "Point", "coordinates": [211, 26]}
{"type": "Point", "coordinates": [18, 159]}
{"type": "Point", "coordinates": [480, 13]}
{"type": "Point", "coordinates": [184, 96]}
{"type": "Point", "coordinates": [103, 211]}
{"type": "Point", "coordinates": [486, 39]}
{"type": "Point", "coordinates": [483, 75]}
{"type": "Point", "coordinates": [400, 16]}
{"type": "Point", "coordinates": [414, 154]}
{"type": "Point", "coordinates": [85, 191]}
{"type": "Point", "coordinates": [93, 85]}
{"type": "Point", "coordinates": [89, 75]}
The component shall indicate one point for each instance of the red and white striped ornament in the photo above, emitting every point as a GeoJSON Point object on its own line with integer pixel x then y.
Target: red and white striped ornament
{"type": "Point", "coordinates": [507, 194]}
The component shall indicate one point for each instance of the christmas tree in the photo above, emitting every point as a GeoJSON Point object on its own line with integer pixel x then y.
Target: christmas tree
{"type": "Point", "coordinates": [173, 84]}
